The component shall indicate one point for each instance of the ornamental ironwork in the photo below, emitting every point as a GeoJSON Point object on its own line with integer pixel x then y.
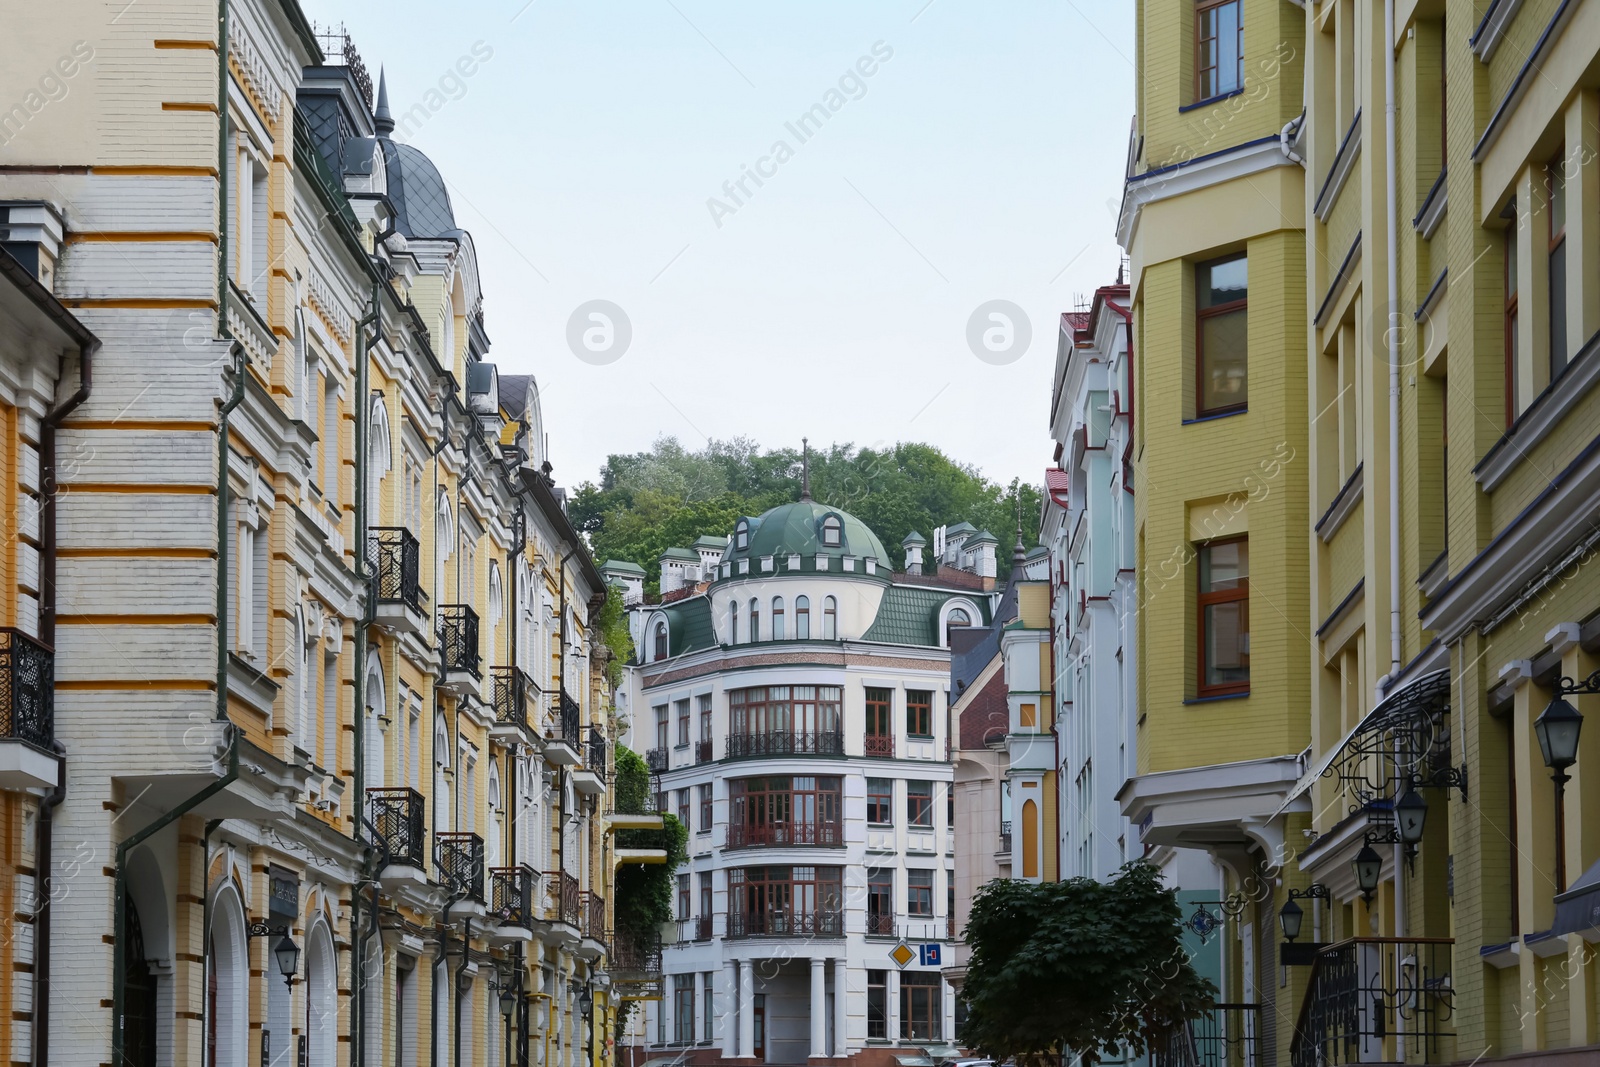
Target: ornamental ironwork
{"type": "Point", "coordinates": [786, 743]}
{"type": "Point", "coordinates": [27, 688]}
{"type": "Point", "coordinates": [512, 895]}
{"type": "Point", "coordinates": [1209, 916]}
{"type": "Point", "coordinates": [1403, 743]}
{"type": "Point", "coordinates": [395, 556]}
{"type": "Point", "coordinates": [458, 639]}
{"type": "Point", "coordinates": [460, 859]}
{"type": "Point", "coordinates": [398, 819]}
{"type": "Point", "coordinates": [1377, 999]}
{"type": "Point", "coordinates": [1223, 1036]}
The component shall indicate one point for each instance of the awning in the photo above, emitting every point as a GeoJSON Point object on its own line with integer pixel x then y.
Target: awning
{"type": "Point", "coordinates": [1578, 909]}
{"type": "Point", "coordinates": [923, 1060]}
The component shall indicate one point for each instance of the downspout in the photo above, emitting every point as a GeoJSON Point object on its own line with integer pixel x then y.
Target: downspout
{"type": "Point", "coordinates": [44, 839]}
{"type": "Point", "coordinates": [461, 971]}
{"type": "Point", "coordinates": [1393, 336]}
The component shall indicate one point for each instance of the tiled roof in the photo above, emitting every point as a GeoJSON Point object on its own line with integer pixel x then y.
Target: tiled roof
{"type": "Point", "coordinates": [689, 626]}
{"type": "Point", "coordinates": [909, 616]}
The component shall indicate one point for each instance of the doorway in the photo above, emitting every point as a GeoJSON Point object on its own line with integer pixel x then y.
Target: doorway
{"type": "Point", "coordinates": [759, 1018]}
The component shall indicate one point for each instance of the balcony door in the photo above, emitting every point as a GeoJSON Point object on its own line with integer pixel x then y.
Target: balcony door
{"type": "Point", "coordinates": [759, 1029]}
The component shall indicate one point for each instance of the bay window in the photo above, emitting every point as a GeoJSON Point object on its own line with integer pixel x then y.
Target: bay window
{"type": "Point", "coordinates": [1224, 618]}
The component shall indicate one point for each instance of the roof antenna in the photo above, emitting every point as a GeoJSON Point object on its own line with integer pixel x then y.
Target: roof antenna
{"type": "Point", "coordinates": [805, 469]}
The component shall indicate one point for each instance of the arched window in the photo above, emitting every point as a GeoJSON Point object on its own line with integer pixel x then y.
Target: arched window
{"type": "Point", "coordinates": [957, 618]}
{"type": "Point", "coordinates": [755, 619]}
{"type": "Point", "coordinates": [441, 780]}
{"type": "Point", "coordinates": [379, 453]}
{"type": "Point", "coordinates": [733, 622]}
{"type": "Point", "coordinates": [444, 544]}
{"type": "Point", "coordinates": [741, 535]}
{"type": "Point", "coordinates": [661, 642]}
{"type": "Point", "coordinates": [305, 702]}
{"type": "Point", "coordinates": [302, 368]}
{"type": "Point", "coordinates": [802, 618]}
{"type": "Point", "coordinates": [321, 998]}
{"type": "Point", "coordinates": [832, 531]}
{"type": "Point", "coordinates": [496, 816]}
{"type": "Point", "coordinates": [830, 618]}
{"type": "Point", "coordinates": [777, 618]}
{"type": "Point", "coordinates": [228, 985]}
{"type": "Point", "coordinates": [376, 711]}
{"type": "Point", "coordinates": [497, 603]}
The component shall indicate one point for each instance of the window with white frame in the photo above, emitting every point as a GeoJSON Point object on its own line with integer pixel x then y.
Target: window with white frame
{"type": "Point", "coordinates": [250, 221]}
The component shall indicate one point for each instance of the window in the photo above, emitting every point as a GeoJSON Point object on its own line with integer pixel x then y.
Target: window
{"type": "Point", "coordinates": [830, 618]}
{"type": "Point", "coordinates": [921, 1010]}
{"type": "Point", "coordinates": [661, 641]}
{"type": "Point", "coordinates": [755, 619]}
{"type": "Point", "coordinates": [783, 810]}
{"type": "Point", "coordinates": [781, 720]}
{"type": "Point", "coordinates": [683, 722]}
{"type": "Point", "coordinates": [1513, 397]}
{"type": "Point", "coordinates": [832, 529]}
{"type": "Point", "coordinates": [1224, 601]}
{"type": "Point", "coordinates": [957, 619]}
{"type": "Point", "coordinates": [777, 618]}
{"type": "Point", "coordinates": [733, 622]}
{"type": "Point", "coordinates": [919, 803]}
{"type": "Point", "coordinates": [1221, 296]}
{"type": "Point", "coordinates": [704, 792]}
{"type": "Point", "coordinates": [919, 894]}
{"type": "Point", "coordinates": [705, 894]}
{"type": "Point", "coordinates": [877, 1004]}
{"type": "Point", "coordinates": [705, 716]}
{"type": "Point", "coordinates": [683, 896]}
{"type": "Point", "coordinates": [683, 807]}
{"type": "Point", "coordinates": [919, 713]}
{"type": "Point", "coordinates": [709, 1014]}
{"type": "Point", "coordinates": [802, 618]}
{"type": "Point", "coordinates": [741, 535]}
{"type": "Point", "coordinates": [779, 901]}
{"type": "Point", "coordinates": [880, 802]}
{"type": "Point", "coordinates": [683, 1008]}
{"type": "Point", "coordinates": [880, 902]}
{"type": "Point", "coordinates": [661, 727]}
{"type": "Point", "coordinates": [1218, 48]}
{"type": "Point", "coordinates": [880, 734]}
{"type": "Point", "coordinates": [1557, 211]}
{"type": "Point", "coordinates": [413, 494]}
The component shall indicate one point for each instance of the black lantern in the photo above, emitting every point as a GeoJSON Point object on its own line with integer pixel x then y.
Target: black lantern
{"type": "Point", "coordinates": [288, 956]}
{"type": "Point", "coordinates": [1291, 915]}
{"type": "Point", "coordinates": [1557, 730]}
{"type": "Point", "coordinates": [1411, 813]}
{"type": "Point", "coordinates": [508, 1003]}
{"type": "Point", "coordinates": [1369, 870]}
{"type": "Point", "coordinates": [585, 1002]}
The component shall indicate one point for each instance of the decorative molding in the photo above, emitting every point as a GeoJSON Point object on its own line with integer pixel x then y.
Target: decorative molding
{"type": "Point", "coordinates": [1344, 164]}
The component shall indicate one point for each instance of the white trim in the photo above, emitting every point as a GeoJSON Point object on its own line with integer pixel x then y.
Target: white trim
{"type": "Point", "coordinates": [1203, 173]}
{"type": "Point", "coordinates": [1540, 420]}
{"type": "Point", "coordinates": [1343, 167]}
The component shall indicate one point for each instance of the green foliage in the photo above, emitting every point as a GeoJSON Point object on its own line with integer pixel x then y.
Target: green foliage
{"type": "Point", "coordinates": [644, 891]}
{"type": "Point", "coordinates": [614, 634]}
{"type": "Point", "coordinates": [647, 502]}
{"type": "Point", "coordinates": [1077, 966]}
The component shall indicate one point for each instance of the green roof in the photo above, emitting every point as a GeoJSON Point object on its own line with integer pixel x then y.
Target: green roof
{"type": "Point", "coordinates": [707, 541]}
{"type": "Point", "coordinates": [621, 566]}
{"type": "Point", "coordinates": [797, 529]}
{"type": "Point", "coordinates": [910, 615]}
{"type": "Point", "coordinates": [914, 538]}
{"type": "Point", "coordinates": [681, 554]}
{"type": "Point", "coordinates": [983, 537]}
{"type": "Point", "coordinates": [689, 626]}
{"type": "Point", "coordinates": [959, 528]}
{"type": "Point", "coordinates": [1037, 551]}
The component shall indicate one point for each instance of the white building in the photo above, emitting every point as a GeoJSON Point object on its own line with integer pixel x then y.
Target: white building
{"type": "Point", "coordinates": [792, 702]}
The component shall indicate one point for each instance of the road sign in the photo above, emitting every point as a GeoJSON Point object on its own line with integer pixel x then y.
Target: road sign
{"type": "Point", "coordinates": [902, 954]}
{"type": "Point", "coordinates": [928, 955]}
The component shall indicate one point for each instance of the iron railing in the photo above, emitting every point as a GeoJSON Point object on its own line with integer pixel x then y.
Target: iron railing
{"type": "Point", "coordinates": [1225, 1036]}
{"type": "Point", "coordinates": [460, 859]}
{"type": "Point", "coordinates": [656, 760]}
{"type": "Point", "coordinates": [27, 688]}
{"type": "Point", "coordinates": [1377, 998]}
{"type": "Point", "coordinates": [513, 692]}
{"type": "Point", "coordinates": [696, 929]}
{"type": "Point", "coordinates": [636, 958]}
{"type": "Point", "coordinates": [594, 916]}
{"type": "Point", "coordinates": [1005, 836]}
{"type": "Point", "coordinates": [565, 899]}
{"type": "Point", "coordinates": [511, 895]}
{"type": "Point", "coordinates": [458, 639]}
{"type": "Point", "coordinates": [399, 818]}
{"type": "Point", "coordinates": [702, 751]}
{"type": "Point", "coordinates": [880, 924]}
{"type": "Point", "coordinates": [396, 556]}
{"type": "Point", "coordinates": [784, 922]}
{"type": "Point", "coordinates": [594, 755]}
{"type": "Point", "coordinates": [878, 745]}
{"type": "Point", "coordinates": [786, 743]}
{"type": "Point", "coordinates": [779, 835]}
{"type": "Point", "coordinates": [571, 714]}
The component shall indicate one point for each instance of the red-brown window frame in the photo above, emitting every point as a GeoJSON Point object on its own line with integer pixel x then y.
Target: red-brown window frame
{"type": "Point", "coordinates": [919, 713]}
{"type": "Point", "coordinates": [1205, 600]}
{"type": "Point", "coordinates": [1200, 315]}
{"type": "Point", "coordinates": [1200, 9]}
{"type": "Point", "coordinates": [918, 814]}
{"type": "Point", "coordinates": [880, 722]}
{"type": "Point", "coordinates": [885, 802]}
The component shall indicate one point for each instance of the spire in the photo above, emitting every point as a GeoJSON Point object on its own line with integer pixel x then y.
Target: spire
{"type": "Point", "coordinates": [805, 469]}
{"type": "Point", "coordinates": [381, 120]}
{"type": "Point", "coordinates": [1019, 552]}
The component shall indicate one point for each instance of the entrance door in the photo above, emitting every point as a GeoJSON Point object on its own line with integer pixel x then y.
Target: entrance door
{"type": "Point", "coordinates": [759, 1018]}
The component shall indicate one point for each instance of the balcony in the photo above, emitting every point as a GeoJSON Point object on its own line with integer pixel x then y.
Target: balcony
{"type": "Point", "coordinates": [784, 922]}
{"type": "Point", "coordinates": [880, 924]}
{"type": "Point", "coordinates": [563, 740]}
{"type": "Point", "coordinates": [590, 778]}
{"type": "Point", "coordinates": [1377, 999]}
{"type": "Point", "coordinates": [878, 745]}
{"type": "Point", "coordinates": [1225, 1036]}
{"type": "Point", "coordinates": [563, 900]}
{"type": "Point", "coordinates": [697, 929]}
{"type": "Point", "coordinates": [1005, 840]}
{"type": "Point", "coordinates": [397, 817]}
{"type": "Point", "coordinates": [786, 743]}
{"type": "Point", "coordinates": [458, 647]}
{"type": "Point", "coordinates": [782, 835]}
{"type": "Point", "coordinates": [515, 695]}
{"type": "Point", "coordinates": [395, 555]}
{"type": "Point", "coordinates": [27, 712]}
{"type": "Point", "coordinates": [594, 916]}
{"type": "Point", "coordinates": [656, 760]}
{"type": "Point", "coordinates": [460, 860]}
{"type": "Point", "coordinates": [511, 897]}
{"type": "Point", "coordinates": [635, 964]}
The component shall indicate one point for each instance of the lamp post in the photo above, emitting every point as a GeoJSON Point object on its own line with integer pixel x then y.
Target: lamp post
{"type": "Point", "coordinates": [1557, 729]}
{"type": "Point", "coordinates": [285, 952]}
{"type": "Point", "coordinates": [1368, 866]}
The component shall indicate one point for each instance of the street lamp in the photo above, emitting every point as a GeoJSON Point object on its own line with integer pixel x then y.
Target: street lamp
{"type": "Point", "coordinates": [1557, 729]}
{"type": "Point", "coordinates": [1291, 916]}
{"type": "Point", "coordinates": [586, 1002]}
{"type": "Point", "coordinates": [288, 956]}
{"type": "Point", "coordinates": [1368, 866]}
{"type": "Point", "coordinates": [1411, 812]}
{"type": "Point", "coordinates": [508, 1003]}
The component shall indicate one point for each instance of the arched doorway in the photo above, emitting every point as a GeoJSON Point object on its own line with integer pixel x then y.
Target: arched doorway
{"type": "Point", "coordinates": [321, 998]}
{"type": "Point", "coordinates": [228, 983]}
{"type": "Point", "coordinates": [139, 993]}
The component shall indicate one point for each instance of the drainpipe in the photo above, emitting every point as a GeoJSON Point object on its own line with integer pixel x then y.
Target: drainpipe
{"type": "Point", "coordinates": [461, 971]}
{"type": "Point", "coordinates": [1393, 338]}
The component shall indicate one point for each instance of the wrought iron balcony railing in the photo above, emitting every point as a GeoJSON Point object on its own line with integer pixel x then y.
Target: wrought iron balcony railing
{"type": "Point", "coordinates": [564, 900]}
{"type": "Point", "coordinates": [780, 835]}
{"type": "Point", "coordinates": [656, 760]}
{"type": "Point", "coordinates": [880, 924]}
{"type": "Point", "coordinates": [702, 751]}
{"type": "Point", "coordinates": [460, 859]}
{"type": "Point", "coordinates": [398, 816]}
{"type": "Point", "coordinates": [571, 716]}
{"type": "Point", "coordinates": [783, 922]}
{"type": "Point", "coordinates": [514, 692]}
{"type": "Point", "coordinates": [511, 895]}
{"type": "Point", "coordinates": [1225, 1036]}
{"type": "Point", "coordinates": [594, 753]}
{"type": "Point", "coordinates": [594, 916]}
{"type": "Point", "coordinates": [696, 929]}
{"type": "Point", "coordinates": [458, 639]}
{"type": "Point", "coordinates": [878, 745]}
{"type": "Point", "coordinates": [27, 688]}
{"type": "Point", "coordinates": [636, 959]}
{"type": "Point", "coordinates": [396, 555]}
{"type": "Point", "coordinates": [1368, 995]}
{"type": "Point", "coordinates": [786, 743]}
{"type": "Point", "coordinates": [1005, 837]}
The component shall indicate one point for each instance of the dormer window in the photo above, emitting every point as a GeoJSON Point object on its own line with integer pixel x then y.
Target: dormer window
{"type": "Point", "coordinates": [832, 531]}
{"type": "Point", "coordinates": [741, 535]}
{"type": "Point", "coordinates": [661, 641]}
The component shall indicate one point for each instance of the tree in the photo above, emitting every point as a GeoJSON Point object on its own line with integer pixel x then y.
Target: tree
{"type": "Point", "coordinates": [642, 893]}
{"type": "Point", "coordinates": [1078, 966]}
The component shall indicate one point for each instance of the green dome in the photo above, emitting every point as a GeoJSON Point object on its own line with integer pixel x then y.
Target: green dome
{"type": "Point", "coordinates": [796, 529]}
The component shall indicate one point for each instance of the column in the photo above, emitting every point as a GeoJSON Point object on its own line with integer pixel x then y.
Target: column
{"type": "Point", "coordinates": [819, 1008]}
{"type": "Point", "coordinates": [669, 987]}
{"type": "Point", "coordinates": [730, 1000]}
{"type": "Point", "coordinates": [747, 1011]}
{"type": "Point", "coordinates": [841, 1007]}
{"type": "Point", "coordinates": [893, 993]}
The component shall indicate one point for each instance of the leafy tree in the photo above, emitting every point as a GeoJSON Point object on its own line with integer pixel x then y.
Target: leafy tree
{"type": "Point", "coordinates": [615, 635]}
{"type": "Point", "coordinates": [1077, 967]}
{"type": "Point", "coordinates": [642, 893]}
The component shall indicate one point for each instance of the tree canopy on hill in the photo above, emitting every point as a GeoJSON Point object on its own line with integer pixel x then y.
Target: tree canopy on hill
{"type": "Point", "coordinates": [647, 502]}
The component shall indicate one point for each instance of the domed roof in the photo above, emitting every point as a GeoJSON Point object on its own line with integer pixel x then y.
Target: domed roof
{"type": "Point", "coordinates": [798, 529]}
{"type": "Point", "coordinates": [417, 191]}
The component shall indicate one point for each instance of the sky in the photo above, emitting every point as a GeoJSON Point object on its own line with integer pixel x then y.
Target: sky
{"type": "Point", "coordinates": [958, 153]}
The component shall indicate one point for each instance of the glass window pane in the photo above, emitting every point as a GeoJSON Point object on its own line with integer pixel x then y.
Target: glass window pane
{"type": "Point", "coordinates": [1224, 566]}
{"type": "Point", "coordinates": [1222, 282]}
{"type": "Point", "coordinates": [1223, 369]}
{"type": "Point", "coordinates": [1227, 643]}
{"type": "Point", "coordinates": [1227, 48]}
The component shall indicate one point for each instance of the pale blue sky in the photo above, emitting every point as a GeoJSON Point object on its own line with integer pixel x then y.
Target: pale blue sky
{"type": "Point", "coordinates": [982, 161]}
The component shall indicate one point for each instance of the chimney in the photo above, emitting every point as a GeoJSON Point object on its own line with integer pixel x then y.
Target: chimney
{"type": "Point", "coordinates": [913, 545]}
{"type": "Point", "coordinates": [32, 231]}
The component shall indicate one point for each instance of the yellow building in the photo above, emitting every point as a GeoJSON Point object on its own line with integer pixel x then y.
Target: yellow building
{"type": "Point", "coordinates": [1213, 220]}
